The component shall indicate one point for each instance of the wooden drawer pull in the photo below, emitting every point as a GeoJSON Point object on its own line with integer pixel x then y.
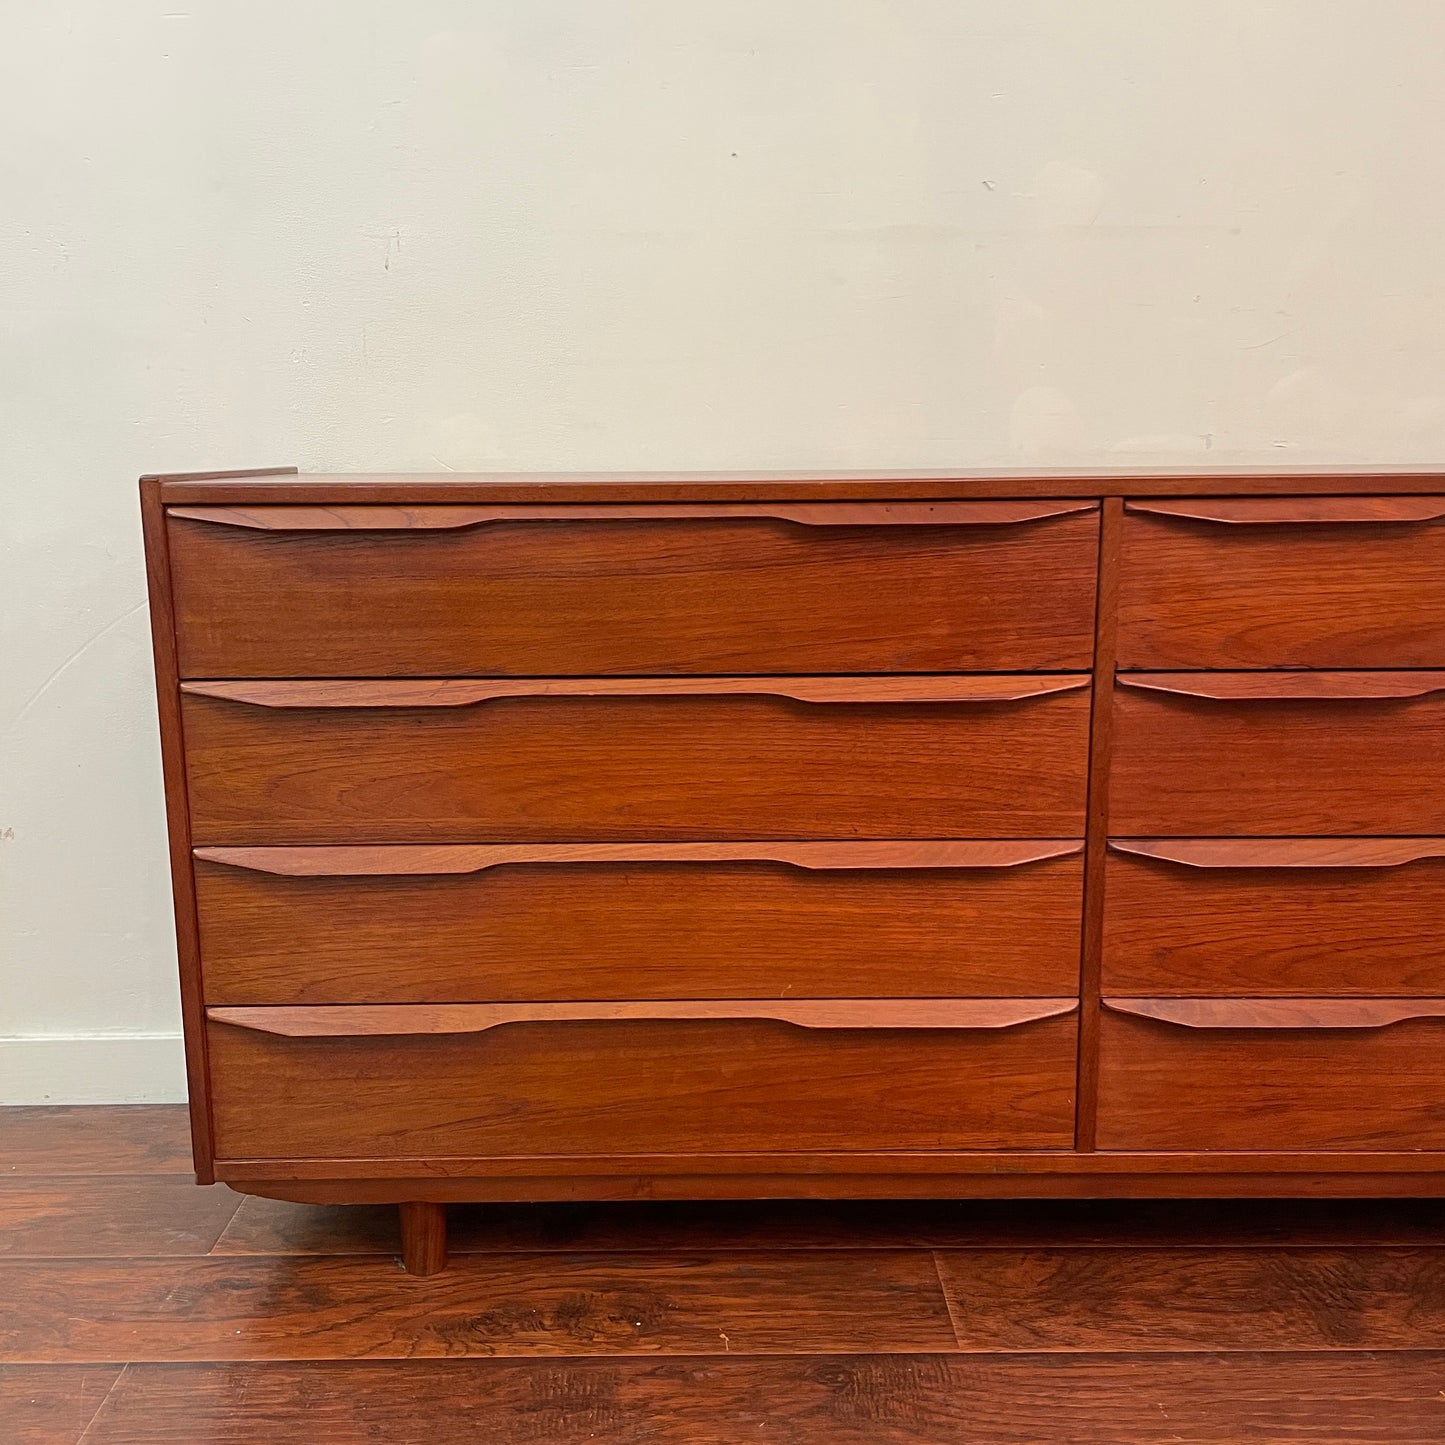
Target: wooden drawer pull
{"type": "Point", "coordinates": [804, 514]}
{"type": "Point", "coordinates": [1287, 511]}
{"type": "Point", "coordinates": [1279, 1013]}
{"type": "Point", "coordinates": [1288, 686]}
{"type": "Point", "coordinates": [1283, 852]}
{"type": "Point", "coordinates": [463, 692]}
{"type": "Point", "coordinates": [399, 859]}
{"type": "Point", "coordinates": [389, 1020]}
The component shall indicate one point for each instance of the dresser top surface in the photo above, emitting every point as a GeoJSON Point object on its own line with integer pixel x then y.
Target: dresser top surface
{"type": "Point", "coordinates": [641, 486]}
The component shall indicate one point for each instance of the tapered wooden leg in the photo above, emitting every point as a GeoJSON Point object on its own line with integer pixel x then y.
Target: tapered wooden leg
{"type": "Point", "coordinates": [424, 1238]}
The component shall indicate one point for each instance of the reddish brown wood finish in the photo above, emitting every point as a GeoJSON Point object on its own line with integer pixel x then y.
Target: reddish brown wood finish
{"type": "Point", "coordinates": [404, 1020]}
{"type": "Point", "coordinates": [1101, 743]}
{"type": "Point", "coordinates": [618, 920]}
{"type": "Point", "coordinates": [1171, 1175]}
{"type": "Point", "coordinates": [693, 487]}
{"type": "Point", "coordinates": [1279, 1051]}
{"type": "Point", "coordinates": [670, 595]}
{"type": "Point", "coordinates": [423, 1238]}
{"type": "Point", "coordinates": [664, 1088]}
{"type": "Point", "coordinates": [802, 514]}
{"type": "Point", "coordinates": [1283, 686]}
{"type": "Point", "coordinates": [1274, 511]}
{"type": "Point", "coordinates": [1291, 853]}
{"type": "Point", "coordinates": [386, 860]}
{"type": "Point", "coordinates": [1301, 1085]}
{"type": "Point", "coordinates": [1321, 761]}
{"type": "Point", "coordinates": [1215, 1392]}
{"type": "Point", "coordinates": [1279, 1013]}
{"type": "Point", "coordinates": [567, 769]}
{"type": "Point", "coordinates": [1299, 582]}
{"type": "Point", "coordinates": [469, 692]}
{"type": "Point", "coordinates": [1252, 916]}
{"type": "Point", "coordinates": [178, 820]}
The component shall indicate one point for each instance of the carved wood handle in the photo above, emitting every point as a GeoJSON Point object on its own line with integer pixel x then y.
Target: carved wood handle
{"type": "Point", "coordinates": [1290, 511]}
{"type": "Point", "coordinates": [395, 1020]}
{"type": "Point", "coordinates": [1288, 686]}
{"type": "Point", "coordinates": [1279, 1013]}
{"type": "Point", "coordinates": [463, 692]}
{"type": "Point", "coordinates": [441, 518]}
{"type": "Point", "coordinates": [1283, 852]}
{"type": "Point", "coordinates": [382, 860]}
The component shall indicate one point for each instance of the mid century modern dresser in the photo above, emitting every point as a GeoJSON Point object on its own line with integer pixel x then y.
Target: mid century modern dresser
{"type": "Point", "coordinates": [1032, 834]}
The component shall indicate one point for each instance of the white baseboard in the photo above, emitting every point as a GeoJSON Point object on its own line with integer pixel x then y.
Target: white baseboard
{"type": "Point", "coordinates": [92, 1069]}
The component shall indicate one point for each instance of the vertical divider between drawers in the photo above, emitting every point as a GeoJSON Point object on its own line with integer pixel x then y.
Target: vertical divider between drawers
{"type": "Point", "coordinates": [1096, 823]}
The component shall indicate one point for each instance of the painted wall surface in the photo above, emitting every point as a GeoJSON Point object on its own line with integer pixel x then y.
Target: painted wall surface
{"type": "Point", "coordinates": [481, 234]}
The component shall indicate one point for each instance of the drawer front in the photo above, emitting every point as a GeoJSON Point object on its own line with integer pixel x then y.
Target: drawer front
{"type": "Point", "coordinates": [577, 591]}
{"type": "Point", "coordinates": [964, 761]}
{"type": "Point", "coordinates": [675, 1086]}
{"type": "Point", "coordinates": [414, 924]}
{"type": "Point", "coordinates": [1254, 754]}
{"type": "Point", "coordinates": [1337, 1076]}
{"type": "Point", "coordinates": [1329, 582]}
{"type": "Point", "coordinates": [1273, 916]}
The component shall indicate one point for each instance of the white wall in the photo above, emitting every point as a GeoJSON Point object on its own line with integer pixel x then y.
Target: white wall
{"type": "Point", "coordinates": [476, 234]}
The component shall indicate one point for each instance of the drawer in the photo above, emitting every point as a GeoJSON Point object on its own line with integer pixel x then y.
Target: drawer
{"type": "Point", "coordinates": [438, 1081]}
{"type": "Point", "coordinates": [581, 591]}
{"type": "Point", "coordinates": [410, 924]}
{"type": "Point", "coordinates": [1272, 1074]}
{"type": "Point", "coordinates": [1235, 582]}
{"type": "Point", "coordinates": [1261, 753]}
{"type": "Point", "coordinates": [600, 760]}
{"type": "Point", "coordinates": [1261, 916]}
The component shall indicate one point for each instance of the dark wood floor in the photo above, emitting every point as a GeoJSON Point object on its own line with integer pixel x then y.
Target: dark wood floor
{"type": "Point", "coordinates": [135, 1307]}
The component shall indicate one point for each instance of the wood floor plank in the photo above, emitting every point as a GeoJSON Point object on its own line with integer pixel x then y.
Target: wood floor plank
{"type": "Point", "coordinates": [111, 1215]}
{"type": "Point", "coordinates": [85, 1139]}
{"type": "Point", "coordinates": [219, 1308]}
{"type": "Point", "coordinates": [51, 1404]}
{"type": "Point", "coordinates": [273, 1226]}
{"type": "Point", "coordinates": [1197, 1299]}
{"type": "Point", "coordinates": [900, 1400]}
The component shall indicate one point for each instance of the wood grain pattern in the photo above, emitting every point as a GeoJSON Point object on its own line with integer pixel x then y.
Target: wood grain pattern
{"type": "Point", "coordinates": [646, 1087]}
{"type": "Point", "coordinates": [1362, 593]}
{"type": "Point", "coordinates": [639, 920]}
{"type": "Point", "coordinates": [1159, 1300]}
{"type": "Point", "coordinates": [722, 595]}
{"type": "Point", "coordinates": [1101, 746]}
{"type": "Point", "coordinates": [1274, 511]}
{"type": "Point", "coordinates": [1293, 853]}
{"type": "Point", "coordinates": [111, 1215]}
{"type": "Point", "coordinates": [568, 769]}
{"type": "Point", "coordinates": [423, 1237]}
{"type": "Point", "coordinates": [45, 1140]}
{"type": "Point", "coordinates": [52, 1404]}
{"type": "Point", "coordinates": [1289, 686]}
{"type": "Point", "coordinates": [1281, 1398]}
{"type": "Point", "coordinates": [660, 487]}
{"type": "Point", "coordinates": [63, 1311]}
{"type": "Point", "coordinates": [1192, 766]}
{"type": "Point", "coordinates": [1167, 1087]}
{"type": "Point", "coordinates": [465, 692]}
{"type": "Point", "coordinates": [1279, 1013]}
{"type": "Point", "coordinates": [1263, 916]}
{"type": "Point", "coordinates": [406, 1020]}
{"type": "Point", "coordinates": [161, 594]}
{"type": "Point", "coordinates": [1396, 1172]}
{"type": "Point", "coordinates": [397, 860]}
{"type": "Point", "coordinates": [804, 514]}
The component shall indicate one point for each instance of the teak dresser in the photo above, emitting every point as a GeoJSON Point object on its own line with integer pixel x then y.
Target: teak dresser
{"type": "Point", "coordinates": [1023, 834]}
